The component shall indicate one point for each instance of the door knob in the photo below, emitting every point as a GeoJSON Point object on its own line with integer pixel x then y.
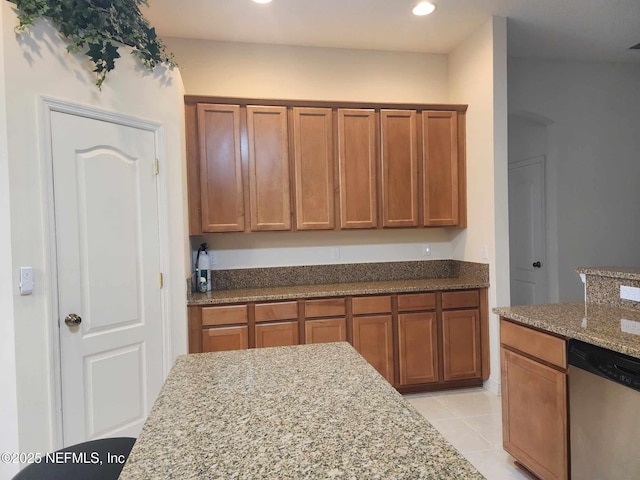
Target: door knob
{"type": "Point", "coordinates": [72, 319]}
{"type": "Point", "coordinates": [537, 264]}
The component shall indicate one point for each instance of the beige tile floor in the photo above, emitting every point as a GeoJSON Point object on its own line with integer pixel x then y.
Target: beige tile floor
{"type": "Point", "coordinates": [471, 420]}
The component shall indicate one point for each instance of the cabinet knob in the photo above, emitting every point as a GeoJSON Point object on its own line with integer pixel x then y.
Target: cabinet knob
{"type": "Point", "coordinates": [537, 264]}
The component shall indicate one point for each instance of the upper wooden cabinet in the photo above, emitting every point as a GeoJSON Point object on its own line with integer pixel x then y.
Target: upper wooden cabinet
{"type": "Point", "coordinates": [221, 182]}
{"type": "Point", "coordinates": [313, 163]}
{"type": "Point", "coordinates": [357, 141]}
{"type": "Point", "coordinates": [324, 166]}
{"type": "Point", "coordinates": [268, 168]}
{"type": "Point", "coordinates": [440, 178]}
{"type": "Point", "coordinates": [399, 168]}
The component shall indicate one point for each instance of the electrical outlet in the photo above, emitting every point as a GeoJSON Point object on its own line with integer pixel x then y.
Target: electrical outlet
{"type": "Point", "coordinates": [335, 253]}
{"type": "Point", "coordinates": [213, 260]}
{"type": "Point", "coordinates": [630, 326]}
{"type": "Point", "coordinates": [630, 293]}
{"type": "Point", "coordinates": [26, 280]}
{"type": "Point", "coordinates": [426, 249]}
{"type": "Point", "coordinates": [484, 252]}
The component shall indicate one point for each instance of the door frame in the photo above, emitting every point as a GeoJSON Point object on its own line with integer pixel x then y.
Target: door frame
{"type": "Point", "coordinates": [542, 160]}
{"type": "Point", "coordinates": [47, 106]}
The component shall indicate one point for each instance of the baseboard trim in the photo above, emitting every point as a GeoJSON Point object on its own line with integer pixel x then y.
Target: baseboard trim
{"type": "Point", "coordinates": [492, 386]}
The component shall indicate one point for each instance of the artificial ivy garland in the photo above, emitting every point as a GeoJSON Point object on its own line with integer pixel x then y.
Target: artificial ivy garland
{"type": "Point", "coordinates": [97, 28]}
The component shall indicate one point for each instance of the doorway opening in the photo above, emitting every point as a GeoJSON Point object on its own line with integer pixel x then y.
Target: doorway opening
{"type": "Point", "coordinates": [531, 165]}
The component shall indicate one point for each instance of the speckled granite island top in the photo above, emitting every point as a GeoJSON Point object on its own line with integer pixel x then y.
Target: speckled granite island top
{"type": "Point", "coordinates": [333, 290]}
{"type": "Point", "coordinates": [309, 411]}
{"type": "Point", "coordinates": [609, 327]}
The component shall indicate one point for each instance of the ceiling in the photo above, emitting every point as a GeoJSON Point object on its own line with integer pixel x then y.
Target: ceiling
{"type": "Point", "coordinates": [601, 30]}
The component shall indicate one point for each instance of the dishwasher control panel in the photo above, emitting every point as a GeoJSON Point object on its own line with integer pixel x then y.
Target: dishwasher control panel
{"type": "Point", "coordinates": [613, 366]}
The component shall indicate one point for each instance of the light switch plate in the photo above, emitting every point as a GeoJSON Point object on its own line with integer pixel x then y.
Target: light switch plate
{"type": "Point", "coordinates": [630, 293]}
{"type": "Point", "coordinates": [26, 280]}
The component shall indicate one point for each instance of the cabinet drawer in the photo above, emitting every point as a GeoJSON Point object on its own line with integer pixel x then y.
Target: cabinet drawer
{"type": "Point", "coordinates": [366, 305]}
{"type": "Point", "coordinates": [266, 312]}
{"type": "Point", "coordinates": [538, 344]}
{"type": "Point", "coordinates": [416, 301]}
{"type": "Point", "coordinates": [328, 307]}
{"type": "Point", "coordinates": [462, 299]}
{"type": "Point", "coordinates": [227, 315]}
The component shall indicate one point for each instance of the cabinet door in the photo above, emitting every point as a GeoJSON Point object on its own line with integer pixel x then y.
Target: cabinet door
{"type": "Point", "coordinates": [417, 348]}
{"type": "Point", "coordinates": [399, 160]}
{"type": "Point", "coordinates": [276, 334]}
{"type": "Point", "coordinates": [323, 331]}
{"type": "Point", "coordinates": [221, 182]}
{"type": "Point", "coordinates": [373, 339]}
{"type": "Point", "coordinates": [225, 338]}
{"type": "Point", "coordinates": [357, 152]}
{"type": "Point", "coordinates": [534, 415]}
{"type": "Point", "coordinates": [313, 165]}
{"type": "Point", "coordinates": [440, 168]}
{"type": "Point", "coordinates": [268, 168]}
{"type": "Point", "coordinates": [461, 344]}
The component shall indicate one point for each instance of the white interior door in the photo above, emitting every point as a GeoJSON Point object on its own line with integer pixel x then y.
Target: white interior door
{"type": "Point", "coordinates": [108, 265]}
{"type": "Point", "coordinates": [526, 232]}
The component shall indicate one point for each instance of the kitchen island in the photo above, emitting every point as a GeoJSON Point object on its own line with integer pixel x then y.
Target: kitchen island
{"type": "Point", "coordinates": [605, 326]}
{"type": "Point", "coordinates": [565, 386]}
{"type": "Point", "coordinates": [309, 411]}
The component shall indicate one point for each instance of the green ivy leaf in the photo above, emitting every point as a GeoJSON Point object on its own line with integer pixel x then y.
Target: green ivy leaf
{"type": "Point", "coordinates": [97, 28]}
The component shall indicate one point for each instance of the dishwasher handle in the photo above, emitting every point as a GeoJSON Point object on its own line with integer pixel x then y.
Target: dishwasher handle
{"type": "Point", "coordinates": [613, 366]}
{"type": "Point", "coordinates": [627, 371]}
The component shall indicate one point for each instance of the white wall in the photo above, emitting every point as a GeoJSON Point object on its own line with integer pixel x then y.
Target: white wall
{"type": "Point", "coordinates": [477, 72]}
{"type": "Point", "coordinates": [8, 385]}
{"type": "Point", "coordinates": [307, 73]}
{"type": "Point", "coordinates": [37, 64]}
{"type": "Point", "coordinates": [527, 138]}
{"type": "Point", "coordinates": [594, 143]}
{"type": "Point", "coordinates": [318, 248]}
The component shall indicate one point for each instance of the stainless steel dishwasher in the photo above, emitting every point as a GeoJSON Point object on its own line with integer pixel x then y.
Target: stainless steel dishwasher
{"type": "Point", "coordinates": [604, 413]}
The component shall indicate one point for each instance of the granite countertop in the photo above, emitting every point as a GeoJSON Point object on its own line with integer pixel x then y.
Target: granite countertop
{"type": "Point", "coordinates": [606, 326]}
{"type": "Point", "coordinates": [308, 411]}
{"type": "Point", "coordinates": [333, 290]}
{"type": "Point", "coordinates": [629, 273]}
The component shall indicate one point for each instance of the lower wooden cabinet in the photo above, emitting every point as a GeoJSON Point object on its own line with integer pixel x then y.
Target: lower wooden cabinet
{"type": "Point", "coordinates": [418, 341]}
{"type": "Point", "coordinates": [418, 348]}
{"type": "Point", "coordinates": [534, 400]}
{"type": "Point", "coordinates": [373, 339]}
{"type": "Point", "coordinates": [324, 331]}
{"type": "Point", "coordinates": [276, 334]}
{"type": "Point", "coordinates": [461, 351]}
{"type": "Point", "coordinates": [225, 338]}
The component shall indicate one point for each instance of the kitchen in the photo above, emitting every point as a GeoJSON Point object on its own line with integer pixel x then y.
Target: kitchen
{"type": "Point", "coordinates": [481, 84]}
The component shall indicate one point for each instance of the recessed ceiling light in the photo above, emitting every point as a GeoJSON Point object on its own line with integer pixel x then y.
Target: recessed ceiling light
{"type": "Point", "coordinates": [262, 1]}
{"type": "Point", "coordinates": [423, 8]}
